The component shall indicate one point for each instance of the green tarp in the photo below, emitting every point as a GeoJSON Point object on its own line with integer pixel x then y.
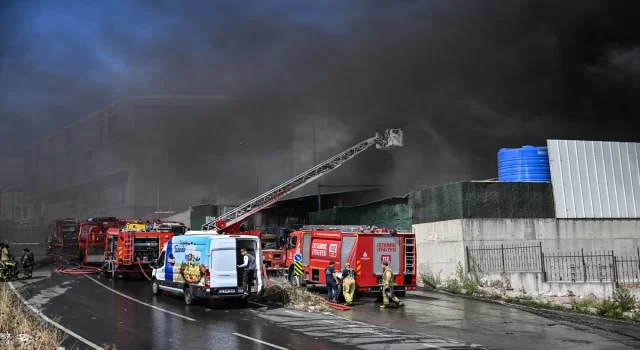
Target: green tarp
{"type": "Point", "coordinates": [393, 213]}
{"type": "Point", "coordinates": [482, 199]}
{"type": "Point", "coordinates": [460, 200]}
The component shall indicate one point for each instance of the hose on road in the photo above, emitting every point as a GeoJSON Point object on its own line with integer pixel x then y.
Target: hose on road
{"type": "Point", "coordinates": [80, 269]}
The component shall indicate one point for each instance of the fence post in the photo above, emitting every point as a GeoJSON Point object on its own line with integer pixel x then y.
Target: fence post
{"type": "Point", "coordinates": [468, 260]}
{"type": "Point", "coordinates": [615, 270]}
{"type": "Point", "coordinates": [542, 269]}
{"type": "Point", "coordinates": [638, 259]}
{"type": "Point", "coordinates": [502, 251]}
{"type": "Point", "coordinates": [584, 266]}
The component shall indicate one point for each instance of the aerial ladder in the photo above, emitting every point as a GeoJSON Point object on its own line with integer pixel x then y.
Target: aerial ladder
{"type": "Point", "coordinates": [231, 221]}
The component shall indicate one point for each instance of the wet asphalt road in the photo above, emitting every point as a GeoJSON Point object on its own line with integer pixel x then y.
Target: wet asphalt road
{"type": "Point", "coordinates": [91, 307]}
{"type": "Point", "coordinates": [88, 306]}
{"type": "Point", "coordinates": [494, 325]}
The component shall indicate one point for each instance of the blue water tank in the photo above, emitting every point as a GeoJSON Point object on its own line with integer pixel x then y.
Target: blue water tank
{"type": "Point", "coordinates": [526, 164]}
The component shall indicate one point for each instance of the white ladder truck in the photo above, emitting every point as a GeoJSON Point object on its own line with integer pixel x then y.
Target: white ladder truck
{"type": "Point", "coordinates": [231, 221]}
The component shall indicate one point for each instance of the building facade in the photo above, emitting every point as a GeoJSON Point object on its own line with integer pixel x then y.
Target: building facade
{"type": "Point", "coordinates": [146, 154]}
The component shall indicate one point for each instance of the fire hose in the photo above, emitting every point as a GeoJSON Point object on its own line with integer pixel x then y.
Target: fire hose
{"type": "Point", "coordinates": [142, 269]}
{"type": "Point", "coordinates": [81, 269]}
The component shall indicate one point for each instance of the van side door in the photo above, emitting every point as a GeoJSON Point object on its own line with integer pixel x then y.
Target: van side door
{"type": "Point", "coordinates": [223, 263]}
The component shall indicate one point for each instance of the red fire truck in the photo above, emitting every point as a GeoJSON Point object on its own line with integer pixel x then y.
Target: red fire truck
{"type": "Point", "coordinates": [364, 248]}
{"type": "Point", "coordinates": [131, 248]}
{"type": "Point", "coordinates": [92, 238]}
{"type": "Point", "coordinates": [63, 233]}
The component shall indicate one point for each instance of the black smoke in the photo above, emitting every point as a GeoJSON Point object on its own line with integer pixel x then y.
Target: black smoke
{"type": "Point", "coordinates": [463, 78]}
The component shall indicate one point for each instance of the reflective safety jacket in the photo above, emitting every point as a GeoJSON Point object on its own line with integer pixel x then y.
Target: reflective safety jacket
{"type": "Point", "coordinates": [387, 277]}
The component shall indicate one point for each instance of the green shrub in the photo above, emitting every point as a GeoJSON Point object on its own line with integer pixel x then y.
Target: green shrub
{"type": "Point", "coordinates": [453, 285]}
{"type": "Point", "coordinates": [609, 308]}
{"type": "Point", "coordinates": [624, 299]}
{"type": "Point", "coordinates": [430, 279]}
{"type": "Point", "coordinates": [468, 281]}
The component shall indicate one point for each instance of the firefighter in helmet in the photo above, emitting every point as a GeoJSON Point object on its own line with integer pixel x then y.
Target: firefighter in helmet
{"type": "Point", "coordinates": [387, 287]}
{"type": "Point", "coordinates": [348, 283]}
{"type": "Point", "coordinates": [28, 261]}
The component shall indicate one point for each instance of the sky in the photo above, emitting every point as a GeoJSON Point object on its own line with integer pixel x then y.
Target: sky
{"type": "Point", "coordinates": [463, 78]}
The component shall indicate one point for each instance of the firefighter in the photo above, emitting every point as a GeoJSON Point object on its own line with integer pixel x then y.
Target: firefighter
{"type": "Point", "coordinates": [332, 283]}
{"type": "Point", "coordinates": [348, 283]}
{"type": "Point", "coordinates": [11, 257]}
{"type": "Point", "coordinates": [387, 287]}
{"type": "Point", "coordinates": [5, 252]}
{"type": "Point", "coordinates": [27, 261]}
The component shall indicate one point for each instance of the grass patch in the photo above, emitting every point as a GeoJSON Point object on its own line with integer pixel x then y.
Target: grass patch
{"type": "Point", "coordinates": [20, 329]}
{"type": "Point", "coordinates": [430, 279]}
{"type": "Point", "coordinates": [295, 297]}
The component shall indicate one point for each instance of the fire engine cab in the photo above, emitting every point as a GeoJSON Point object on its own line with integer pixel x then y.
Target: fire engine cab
{"type": "Point", "coordinates": [364, 247]}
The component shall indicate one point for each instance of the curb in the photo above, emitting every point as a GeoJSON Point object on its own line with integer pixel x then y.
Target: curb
{"type": "Point", "coordinates": [592, 321]}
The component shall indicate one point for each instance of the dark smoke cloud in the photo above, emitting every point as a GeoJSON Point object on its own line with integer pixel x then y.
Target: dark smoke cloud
{"type": "Point", "coordinates": [463, 78]}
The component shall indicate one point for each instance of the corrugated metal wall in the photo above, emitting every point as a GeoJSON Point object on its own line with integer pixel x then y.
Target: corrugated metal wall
{"type": "Point", "coordinates": [594, 179]}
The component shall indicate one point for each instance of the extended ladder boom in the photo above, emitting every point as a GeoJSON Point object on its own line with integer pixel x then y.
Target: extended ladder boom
{"type": "Point", "coordinates": [231, 221]}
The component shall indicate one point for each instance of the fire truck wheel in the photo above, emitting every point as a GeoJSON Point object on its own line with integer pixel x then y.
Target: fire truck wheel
{"type": "Point", "coordinates": [155, 288]}
{"type": "Point", "coordinates": [188, 296]}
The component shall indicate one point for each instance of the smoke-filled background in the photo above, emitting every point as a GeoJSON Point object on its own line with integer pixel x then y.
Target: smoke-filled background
{"type": "Point", "coordinates": [463, 78]}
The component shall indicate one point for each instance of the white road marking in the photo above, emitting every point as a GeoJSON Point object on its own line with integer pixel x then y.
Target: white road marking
{"type": "Point", "coordinates": [140, 302]}
{"type": "Point", "coordinates": [430, 346]}
{"type": "Point", "coordinates": [260, 341]}
{"type": "Point", "coordinates": [293, 313]}
{"type": "Point", "coordinates": [66, 330]}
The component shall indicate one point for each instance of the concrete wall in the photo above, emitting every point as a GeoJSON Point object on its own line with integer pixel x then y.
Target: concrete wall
{"type": "Point", "coordinates": [556, 235]}
{"type": "Point", "coordinates": [532, 284]}
{"type": "Point", "coordinates": [441, 245]}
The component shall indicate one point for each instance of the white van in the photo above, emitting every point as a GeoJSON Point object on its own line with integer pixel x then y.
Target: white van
{"type": "Point", "coordinates": [202, 264]}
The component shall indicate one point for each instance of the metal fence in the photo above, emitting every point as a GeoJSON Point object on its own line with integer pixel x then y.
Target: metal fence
{"type": "Point", "coordinates": [581, 266]}
{"type": "Point", "coordinates": [525, 257]}
{"type": "Point", "coordinates": [628, 270]}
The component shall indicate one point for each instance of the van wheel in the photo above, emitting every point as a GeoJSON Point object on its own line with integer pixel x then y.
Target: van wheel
{"type": "Point", "coordinates": [155, 287]}
{"type": "Point", "coordinates": [188, 296]}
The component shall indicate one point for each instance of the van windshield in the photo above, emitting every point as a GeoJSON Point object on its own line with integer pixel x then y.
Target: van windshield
{"type": "Point", "coordinates": [224, 259]}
